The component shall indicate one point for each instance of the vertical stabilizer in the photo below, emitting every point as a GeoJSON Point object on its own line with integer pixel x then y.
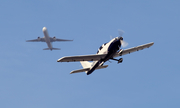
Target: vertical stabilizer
{"type": "Point", "coordinates": [86, 64]}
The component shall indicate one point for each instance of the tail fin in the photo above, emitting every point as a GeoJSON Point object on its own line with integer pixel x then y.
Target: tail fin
{"type": "Point", "coordinates": [86, 64]}
{"type": "Point", "coordinates": [51, 49]}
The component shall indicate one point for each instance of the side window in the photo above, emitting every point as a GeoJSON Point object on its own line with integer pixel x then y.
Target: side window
{"type": "Point", "coordinates": [100, 48]}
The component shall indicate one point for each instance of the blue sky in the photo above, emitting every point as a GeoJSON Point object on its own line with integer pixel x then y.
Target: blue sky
{"type": "Point", "coordinates": [31, 78]}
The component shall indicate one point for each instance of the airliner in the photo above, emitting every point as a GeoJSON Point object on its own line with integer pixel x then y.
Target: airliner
{"type": "Point", "coordinates": [47, 39]}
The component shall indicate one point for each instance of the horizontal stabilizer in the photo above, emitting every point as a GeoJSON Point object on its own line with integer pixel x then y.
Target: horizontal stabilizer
{"type": "Point", "coordinates": [46, 49]}
{"type": "Point", "coordinates": [51, 49]}
{"type": "Point", "coordinates": [56, 49]}
{"type": "Point", "coordinates": [86, 69]}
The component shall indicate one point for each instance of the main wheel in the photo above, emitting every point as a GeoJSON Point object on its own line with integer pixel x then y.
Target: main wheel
{"type": "Point", "coordinates": [120, 60]}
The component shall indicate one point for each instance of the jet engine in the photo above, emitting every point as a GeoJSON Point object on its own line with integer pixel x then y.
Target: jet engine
{"type": "Point", "coordinates": [39, 38]}
{"type": "Point", "coordinates": [54, 38]}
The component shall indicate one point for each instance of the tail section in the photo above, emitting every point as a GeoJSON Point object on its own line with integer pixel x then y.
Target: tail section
{"type": "Point", "coordinates": [51, 49]}
{"type": "Point", "coordinates": [86, 67]}
{"type": "Point", "coordinates": [56, 49]}
{"type": "Point", "coordinates": [86, 64]}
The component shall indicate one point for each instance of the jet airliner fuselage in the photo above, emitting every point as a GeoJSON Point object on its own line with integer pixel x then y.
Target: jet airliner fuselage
{"type": "Point", "coordinates": [47, 39]}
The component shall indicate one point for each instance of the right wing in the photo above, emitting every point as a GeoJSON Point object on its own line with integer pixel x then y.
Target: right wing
{"type": "Point", "coordinates": [82, 58]}
{"type": "Point", "coordinates": [133, 49]}
{"type": "Point", "coordinates": [37, 40]}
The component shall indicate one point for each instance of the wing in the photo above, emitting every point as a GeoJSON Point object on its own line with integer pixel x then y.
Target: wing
{"type": "Point", "coordinates": [37, 40]}
{"type": "Point", "coordinates": [82, 58]}
{"type": "Point", "coordinates": [62, 40]}
{"type": "Point", "coordinates": [133, 49]}
{"type": "Point", "coordinates": [55, 39]}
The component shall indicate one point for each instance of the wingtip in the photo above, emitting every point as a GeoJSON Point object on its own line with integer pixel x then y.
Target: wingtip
{"type": "Point", "coordinates": [60, 60]}
{"type": "Point", "coordinates": [70, 40]}
{"type": "Point", "coordinates": [152, 43]}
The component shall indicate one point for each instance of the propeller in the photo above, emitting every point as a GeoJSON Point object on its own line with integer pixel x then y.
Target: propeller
{"type": "Point", "coordinates": [111, 37]}
{"type": "Point", "coordinates": [123, 43]}
{"type": "Point", "coordinates": [121, 32]}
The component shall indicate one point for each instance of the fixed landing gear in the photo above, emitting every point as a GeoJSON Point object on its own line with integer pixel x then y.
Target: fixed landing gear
{"type": "Point", "coordinates": [119, 61]}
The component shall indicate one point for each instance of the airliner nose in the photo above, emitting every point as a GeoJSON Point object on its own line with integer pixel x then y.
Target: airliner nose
{"type": "Point", "coordinates": [44, 29]}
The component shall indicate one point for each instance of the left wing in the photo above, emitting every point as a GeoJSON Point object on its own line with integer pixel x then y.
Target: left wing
{"type": "Point", "coordinates": [82, 58]}
{"type": "Point", "coordinates": [37, 40]}
{"type": "Point", "coordinates": [55, 39]}
{"type": "Point", "coordinates": [133, 49]}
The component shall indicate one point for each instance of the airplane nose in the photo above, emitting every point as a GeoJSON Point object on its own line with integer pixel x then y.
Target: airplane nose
{"type": "Point", "coordinates": [44, 29]}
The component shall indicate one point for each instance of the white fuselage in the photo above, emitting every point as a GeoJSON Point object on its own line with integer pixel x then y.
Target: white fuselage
{"type": "Point", "coordinates": [110, 49]}
{"type": "Point", "coordinates": [105, 47]}
{"type": "Point", "coordinates": [47, 38]}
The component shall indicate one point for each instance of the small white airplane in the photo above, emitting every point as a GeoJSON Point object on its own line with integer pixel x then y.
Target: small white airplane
{"type": "Point", "coordinates": [47, 39]}
{"type": "Point", "coordinates": [107, 51]}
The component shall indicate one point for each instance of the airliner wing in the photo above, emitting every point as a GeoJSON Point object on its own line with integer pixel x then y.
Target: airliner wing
{"type": "Point", "coordinates": [82, 58]}
{"type": "Point", "coordinates": [55, 39]}
{"type": "Point", "coordinates": [133, 49]}
{"type": "Point", "coordinates": [63, 40]}
{"type": "Point", "coordinates": [37, 40]}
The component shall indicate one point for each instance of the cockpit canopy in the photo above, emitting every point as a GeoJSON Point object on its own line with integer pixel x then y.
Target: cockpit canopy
{"type": "Point", "coordinates": [101, 47]}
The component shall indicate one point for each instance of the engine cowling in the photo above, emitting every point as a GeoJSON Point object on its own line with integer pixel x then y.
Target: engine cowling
{"type": "Point", "coordinates": [54, 38]}
{"type": "Point", "coordinates": [39, 38]}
